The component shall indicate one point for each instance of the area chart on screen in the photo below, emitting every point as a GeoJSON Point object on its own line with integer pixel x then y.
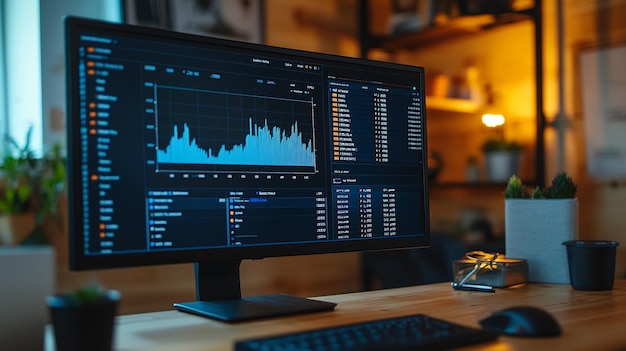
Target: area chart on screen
{"type": "Point", "coordinates": [270, 132]}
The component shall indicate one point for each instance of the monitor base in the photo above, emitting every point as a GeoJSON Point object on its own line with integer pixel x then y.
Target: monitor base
{"type": "Point", "coordinates": [254, 307]}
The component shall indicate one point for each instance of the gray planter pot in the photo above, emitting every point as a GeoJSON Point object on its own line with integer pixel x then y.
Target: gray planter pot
{"type": "Point", "coordinates": [501, 165]}
{"type": "Point", "coordinates": [27, 276]}
{"type": "Point", "coordinates": [535, 230]}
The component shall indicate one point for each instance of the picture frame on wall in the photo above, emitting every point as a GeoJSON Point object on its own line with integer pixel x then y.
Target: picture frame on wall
{"type": "Point", "coordinates": [240, 20]}
{"type": "Point", "coordinates": [150, 13]}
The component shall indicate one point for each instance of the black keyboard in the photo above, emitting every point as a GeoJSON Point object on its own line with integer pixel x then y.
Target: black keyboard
{"type": "Point", "coordinates": [400, 333]}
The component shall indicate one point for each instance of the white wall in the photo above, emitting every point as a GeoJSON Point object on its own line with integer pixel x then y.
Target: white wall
{"type": "Point", "coordinates": [22, 70]}
{"type": "Point", "coordinates": [53, 58]}
{"type": "Point", "coordinates": [3, 103]}
{"type": "Point", "coordinates": [34, 63]}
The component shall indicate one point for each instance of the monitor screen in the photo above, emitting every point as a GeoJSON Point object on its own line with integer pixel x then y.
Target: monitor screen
{"type": "Point", "coordinates": [183, 148]}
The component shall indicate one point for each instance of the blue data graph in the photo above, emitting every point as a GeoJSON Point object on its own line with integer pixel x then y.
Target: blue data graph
{"type": "Point", "coordinates": [262, 146]}
{"type": "Point", "coordinates": [207, 130]}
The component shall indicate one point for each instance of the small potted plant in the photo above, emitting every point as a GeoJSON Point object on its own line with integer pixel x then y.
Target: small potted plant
{"type": "Point", "coordinates": [502, 159]}
{"type": "Point", "coordinates": [84, 319]}
{"type": "Point", "coordinates": [537, 222]}
{"type": "Point", "coordinates": [30, 190]}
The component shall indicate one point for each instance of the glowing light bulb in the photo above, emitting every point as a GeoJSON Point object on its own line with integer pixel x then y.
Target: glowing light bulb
{"type": "Point", "coordinates": [493, 120]}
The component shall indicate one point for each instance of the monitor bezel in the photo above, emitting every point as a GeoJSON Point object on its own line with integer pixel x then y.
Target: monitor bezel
{"type": "Point", "coordinates": [79, 261]}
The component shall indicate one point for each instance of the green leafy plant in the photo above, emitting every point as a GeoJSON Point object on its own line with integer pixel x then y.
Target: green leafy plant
{"type": "Point", "coordinates": [86, 293]}
{"type": "Point", "coordinates": [89, 293]}
{"type": "Point", "coordinates": [499, 144]}
{"type": "Point", "coordinates": [562, 187]}
{"type": "Point", "coordinates": [31, 184]}
{"type": "Point", "coordinates": [16, 171]}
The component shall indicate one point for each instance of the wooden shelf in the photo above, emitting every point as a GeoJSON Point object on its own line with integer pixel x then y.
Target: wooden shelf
{"type": "Point", "coordinates": [443, 104]}
{"type": "Point", "coordinates": [449, 33]}
{"type": "Point", "coordinates": [461, 184]}
{"type": "Point", "coordinates": [485, 185]}
{"type": "Point", "coordinates": [454, 29]}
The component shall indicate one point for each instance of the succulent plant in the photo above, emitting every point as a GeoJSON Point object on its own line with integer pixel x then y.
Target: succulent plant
{"type": "Point", "coordinates": [89, 293]}
{"type": "Point", "coordinates": [562, 187]}
{"type": "Point", "coordinates": [537, 193]}
{"type": "Point", "coordinates": [515, 189]}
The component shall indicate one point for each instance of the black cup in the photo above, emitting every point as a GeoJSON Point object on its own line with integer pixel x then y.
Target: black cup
{"type": "Point", "coordinates": [591, 264]}
{"type": "Point", "coordinates": [83, 326]}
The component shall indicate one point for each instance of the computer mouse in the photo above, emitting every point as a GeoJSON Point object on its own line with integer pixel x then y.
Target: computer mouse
{"type": "Point", "coordinates": [522, 321]}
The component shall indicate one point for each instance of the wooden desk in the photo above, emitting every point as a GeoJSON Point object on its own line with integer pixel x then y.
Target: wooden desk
{"type": "Point", "coordinates": [590, 320]}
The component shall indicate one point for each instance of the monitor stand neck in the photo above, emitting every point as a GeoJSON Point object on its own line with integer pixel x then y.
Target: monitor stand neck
{"type": "Point", "coordinates": [218, 280]}
{"type": "Point", "coordinates": [218, 293]}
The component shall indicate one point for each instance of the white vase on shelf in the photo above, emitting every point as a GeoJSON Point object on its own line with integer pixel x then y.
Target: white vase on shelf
{"type": "Point", "coordinates": [501, 165]}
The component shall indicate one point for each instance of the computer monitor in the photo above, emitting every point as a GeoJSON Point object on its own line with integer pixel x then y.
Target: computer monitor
{"type": "Point", "coordinates": [183, 148]}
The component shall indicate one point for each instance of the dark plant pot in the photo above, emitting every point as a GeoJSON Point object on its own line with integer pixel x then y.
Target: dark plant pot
{"type": "Point", "coordinates": [84, 325]}
{"type": "Point", "coordinates": [591, 264]}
